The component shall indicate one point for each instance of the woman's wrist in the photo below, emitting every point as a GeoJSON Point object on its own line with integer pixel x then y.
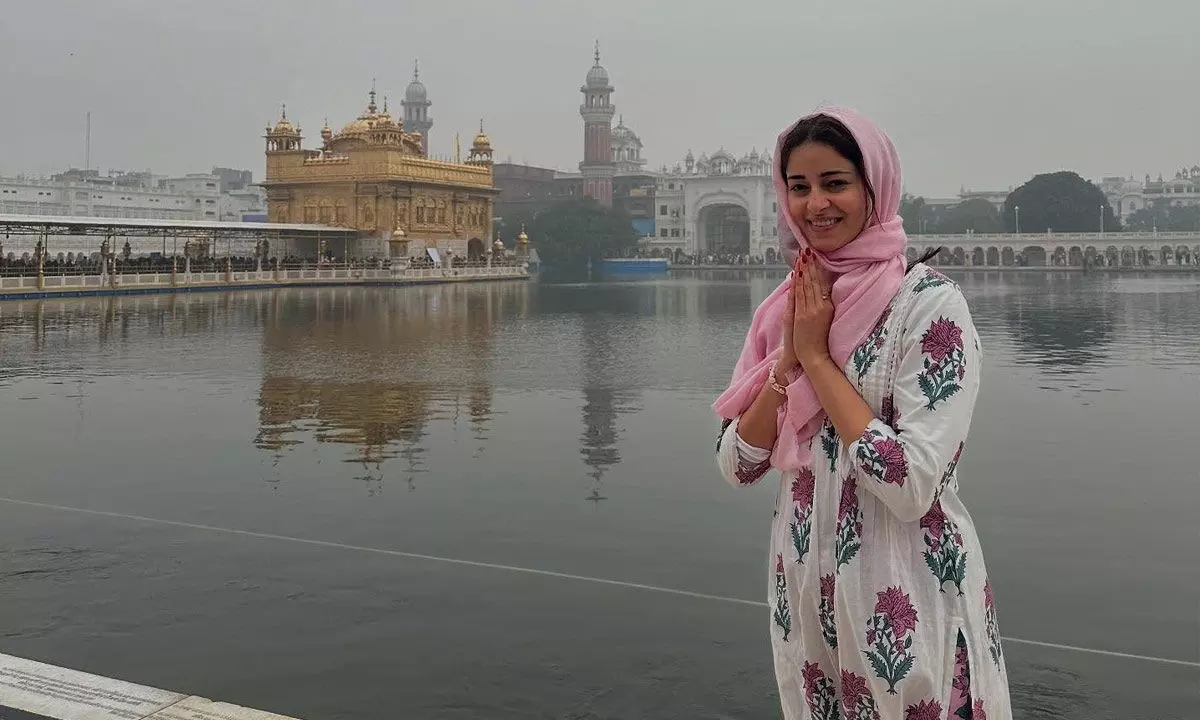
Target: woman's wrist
{"type": "Point", "coordinates": [785, 365]}
{"type": "Point", "coordinates": [814, 361]}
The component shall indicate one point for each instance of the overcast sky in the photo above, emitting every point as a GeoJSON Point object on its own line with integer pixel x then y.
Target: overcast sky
{"type": "Point", "coordinates": [974, 94]}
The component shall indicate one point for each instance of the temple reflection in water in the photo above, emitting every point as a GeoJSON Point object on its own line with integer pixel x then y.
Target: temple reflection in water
{"type": "Point", "coordinates": [371, 370]}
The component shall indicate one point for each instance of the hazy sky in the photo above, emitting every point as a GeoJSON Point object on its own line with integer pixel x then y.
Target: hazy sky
{"type": "Point", "coordinates": [974, 94]}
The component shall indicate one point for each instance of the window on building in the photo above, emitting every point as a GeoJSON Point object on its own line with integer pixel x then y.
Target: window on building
{"type": "Point", "coordinates": [662, 233]}
{"type": "Point", "coordinates": [662, 209]}
{"type": "Point", "coordinates": [675, 232]}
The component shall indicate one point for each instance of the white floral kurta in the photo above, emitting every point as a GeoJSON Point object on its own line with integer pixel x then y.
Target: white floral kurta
{"type": "Point", "coordinates": [880, 603]}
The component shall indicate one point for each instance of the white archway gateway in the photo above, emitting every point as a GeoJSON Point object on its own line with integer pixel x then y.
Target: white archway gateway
{"type": "Point", "coordinates": [723, 230]}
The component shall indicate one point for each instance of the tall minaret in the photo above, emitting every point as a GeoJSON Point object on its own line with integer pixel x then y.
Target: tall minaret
{"type": "Point", "coordinates": [416, 108]}
{"type": "Point", "coordinates": [597, 112]}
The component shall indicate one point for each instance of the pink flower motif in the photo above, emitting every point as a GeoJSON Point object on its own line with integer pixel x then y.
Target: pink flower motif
{"type": "Point", "coordinates": [849, 501]}
{"type": "Point", "coordinates": [812, 675]}
{"type": "Point", "coordinates": [897, 606]}
{"type": "Point", "coordinates": [894, 463]}
{"type": "Point", "coordinates": [958, 539]}
{"type": "Point", "coordinates": [942, 338]}
{"type": "Point", "coordinates": [977, 712]}
{"type": "Point", "coordinates": [988, 600]}
{"type": "Point", "coordinates": [803, 487]}
{"type": "Point", "coordinates": [924, 710]}
{"type": "Point", "coordinates": [871, 635]}
{"type": "Point", "coordinates": [778, 563]}
{"type": "Point", "coordinates": [827, 585]}
{"type": "Point", "coordinates": [853, 687]}
{"type": "Point", "coordinates": [935, 522]}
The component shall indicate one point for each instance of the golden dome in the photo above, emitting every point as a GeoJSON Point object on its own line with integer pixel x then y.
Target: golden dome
{"type": "Point", "coordinates": [498, 245]}
{"type": "Point", "coordinates": [364, 123]}
{"type": "Point", "coordinates": [523, 238]}
{"type": "Point", "coordinates": [284, 126]}
{"type": "Point", "coordinates": [482, 141]}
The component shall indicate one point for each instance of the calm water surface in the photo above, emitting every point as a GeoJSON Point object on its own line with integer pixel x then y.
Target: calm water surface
{"type": "Point", "coordinates": [557, 427]}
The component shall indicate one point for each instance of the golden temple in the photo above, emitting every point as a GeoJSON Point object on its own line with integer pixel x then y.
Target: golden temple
{"type": "Point", "coordinates": [375, 177]}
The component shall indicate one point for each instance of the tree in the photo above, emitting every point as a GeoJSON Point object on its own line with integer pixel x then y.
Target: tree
{"type": "Point", "coordinates": [912, 210]}
{"type": "Point", "coordinates": [975, 215]}
{"type": "Point", "coordinates": [1059, 202]}
{"type": "Point", "coordinates": [511, 221]}
{"type": "Point", "coordinates": [580, 231]}
{"type": "Point", "coordinates": [1165, 217]}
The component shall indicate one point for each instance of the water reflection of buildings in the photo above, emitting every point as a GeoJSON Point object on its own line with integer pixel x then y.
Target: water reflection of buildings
{"type": "Point", "coordinates": [371, 370]}
{"type": "Point", "coordinates": [1070, 323]}
{"type": "Point", "coordinates": [607, 394]}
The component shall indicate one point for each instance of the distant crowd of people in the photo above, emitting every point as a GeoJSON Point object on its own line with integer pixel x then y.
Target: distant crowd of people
{"type": "Point", "coordinates": [12, 265]}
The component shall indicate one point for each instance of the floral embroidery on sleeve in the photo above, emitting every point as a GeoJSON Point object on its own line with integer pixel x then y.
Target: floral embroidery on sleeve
{"type": "Point", "coordinates": [857, 703]}
{"type": "Point", "coordinates": [950, 468]}
{"type": "Point", "coordinates": [782, 613]}
{"type": "Point", "coordinates": [945, 361]}
{"type": "Point", "coordinates": [820, 693]}
{"type": "Point", "coordinates": [749, 471]}
{"type": "Point", "coordinates": [932, 279]}
{"type": "Point", "coordinates": [803, 488]}
{"type": "Point", "coordinates": [889, 635]}
{"type": "Point", "coordinates": [977, 712]}
{"type": "Point", "coordinates": [882, 457]}
{"type": "Point", "coordinates": [944, 552]}
{"type": "Point", "coordinates": [849, 523]}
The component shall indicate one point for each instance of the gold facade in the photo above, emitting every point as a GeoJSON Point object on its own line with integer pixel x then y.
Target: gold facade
{"type": "Point", "coordinates": [373, 176]}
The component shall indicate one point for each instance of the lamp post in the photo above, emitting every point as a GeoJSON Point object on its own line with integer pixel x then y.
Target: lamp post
{"type": "Point", "coordinates": [1017, 216]}
{"type": "Point", "coordinates": [1101, 219]}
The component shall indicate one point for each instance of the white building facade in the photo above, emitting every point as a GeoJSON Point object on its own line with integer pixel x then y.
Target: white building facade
{"type": "Point", "coordinates": [195, 196]}
{"type": "Point", "coordinates": [721, 207]}
{"type": "Point", "coordinates": [1127, 196]}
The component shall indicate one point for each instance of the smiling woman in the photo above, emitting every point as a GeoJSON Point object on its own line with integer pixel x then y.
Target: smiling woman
{"type": "Point", "coordinates": [828, 194]}
{"type": "Point", "coordinates": [857, 381]}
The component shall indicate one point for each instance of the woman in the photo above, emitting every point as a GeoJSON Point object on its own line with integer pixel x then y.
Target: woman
{"type": "Point", "coordinates": [857, 381]}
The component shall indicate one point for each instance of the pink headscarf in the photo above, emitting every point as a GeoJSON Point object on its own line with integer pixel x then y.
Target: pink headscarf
{"type": "Point", "coordinates": [869, 272]}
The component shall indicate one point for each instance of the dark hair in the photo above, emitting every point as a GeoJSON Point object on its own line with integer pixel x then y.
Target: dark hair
{"type": "Point", "coordinates": [830, 131]}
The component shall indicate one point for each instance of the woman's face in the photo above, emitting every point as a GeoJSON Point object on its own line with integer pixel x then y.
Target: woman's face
{"type": "Point", "coordinates": [826, 198]}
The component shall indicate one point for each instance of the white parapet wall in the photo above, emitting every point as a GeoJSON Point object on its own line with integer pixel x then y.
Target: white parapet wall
{"type": "Point", "coordinates": [24, 285]}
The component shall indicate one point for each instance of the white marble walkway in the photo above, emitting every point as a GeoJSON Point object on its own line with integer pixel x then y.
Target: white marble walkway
{"type": "Point", "coordinates": [32, 690]}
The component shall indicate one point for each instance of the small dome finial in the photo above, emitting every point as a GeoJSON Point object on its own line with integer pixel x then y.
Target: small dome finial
{"type": "Point", "coordinates": [283, 112]}
{"type": "Point", "coordinates": [371, 105]}
{"type": "Point", "coordinates": [385, 104]}
{"type": "Point", "coordinates": [597, 55]}
{"type": "Point", "coordinates": [416, 68]}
